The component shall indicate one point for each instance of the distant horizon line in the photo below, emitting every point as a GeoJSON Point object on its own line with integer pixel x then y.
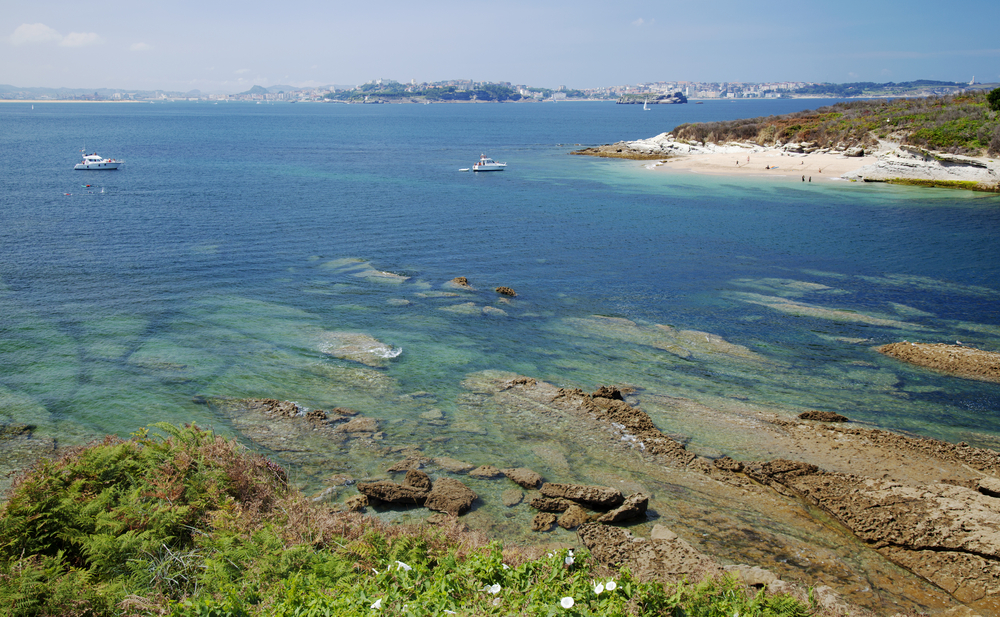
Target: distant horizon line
{"type": "Point", "coordinates": [561, 87]}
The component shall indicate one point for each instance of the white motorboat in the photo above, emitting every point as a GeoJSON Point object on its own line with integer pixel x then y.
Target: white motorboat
{"type": "Point", "coordinates": [94, 161]}
{"type": "Point", "coordinates": [487, 164]}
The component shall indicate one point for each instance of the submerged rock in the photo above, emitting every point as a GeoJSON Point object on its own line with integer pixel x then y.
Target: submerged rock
{"type": "Point", "coordinates": [958, 360]}
{"type": "Point", "coordinates": [487, 472]}
{"type": "Point", "coordinates": [523, 476]}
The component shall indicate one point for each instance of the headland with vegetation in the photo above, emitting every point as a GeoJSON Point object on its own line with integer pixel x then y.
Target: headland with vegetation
{"type": "Point", "coordinates": [950, 141]}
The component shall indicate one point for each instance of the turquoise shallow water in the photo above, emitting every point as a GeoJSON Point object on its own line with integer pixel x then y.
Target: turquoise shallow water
{"type": "Point", "coordinates": [238, 237]}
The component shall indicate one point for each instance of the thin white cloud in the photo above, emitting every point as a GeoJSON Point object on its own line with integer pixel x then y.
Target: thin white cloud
{"type": "Point", "coordinates": [34, 33]}
{"type": "Point", "coordinates": [141, 47]}
{"type": "Point", "coordinates": [242, 71]}
{"type": "Point", "coordinates": [639, 22]}
{"type": "Point", "coordinates": [81, 39]}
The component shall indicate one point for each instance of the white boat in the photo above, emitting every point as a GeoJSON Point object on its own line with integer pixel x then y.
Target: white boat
{"type": "Point", "coordinates": [94, 161]}
{"type": "Point", "coordinates": [645, 106]}
{"type": "Point", "coordinates": [487, 164]}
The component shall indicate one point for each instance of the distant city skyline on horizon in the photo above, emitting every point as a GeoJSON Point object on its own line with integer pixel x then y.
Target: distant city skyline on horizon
{"type": "Point", "coordinates": [228, 48]}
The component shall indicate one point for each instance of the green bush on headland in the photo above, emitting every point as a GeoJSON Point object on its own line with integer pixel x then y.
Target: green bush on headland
{"type": "Point", "coordinates": [960, 124]}
{"type": "Point", "coordinates": [192, 524]}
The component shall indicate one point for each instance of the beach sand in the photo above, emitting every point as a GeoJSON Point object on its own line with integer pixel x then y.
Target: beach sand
{"type": "Point", "coordinates": [787, 166]}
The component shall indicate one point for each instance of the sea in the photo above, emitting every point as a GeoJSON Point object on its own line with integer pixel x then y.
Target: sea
{"type": "Point", "coordinates": [304, 252]}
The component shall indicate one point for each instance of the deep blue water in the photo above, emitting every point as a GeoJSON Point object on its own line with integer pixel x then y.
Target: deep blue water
{"type": "Point", "coordinates": [213, 262]}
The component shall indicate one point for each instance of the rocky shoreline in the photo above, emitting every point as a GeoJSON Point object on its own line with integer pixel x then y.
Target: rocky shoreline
{"type": "Point", "coordinates": [853, 495]}
{"type": "Point", "coordinates": [889, 162]}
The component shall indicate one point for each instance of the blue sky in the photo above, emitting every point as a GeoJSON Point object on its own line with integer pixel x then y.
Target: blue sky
{"type": "Point", "coordinates": [228, 46]}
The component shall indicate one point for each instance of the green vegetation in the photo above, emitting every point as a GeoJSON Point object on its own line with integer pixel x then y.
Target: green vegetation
{"type": "Point", "coordinates": [993, 98]}
{"type": "Point", "coordinates": [962, 124]}
{"type": "Point", "coordinates": [194, 525]}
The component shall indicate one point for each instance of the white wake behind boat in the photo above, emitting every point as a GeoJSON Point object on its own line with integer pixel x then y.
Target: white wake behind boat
{"type": "Point", "coordinates": [94, 161]}
{"type": "Point", "coordinates": [487, 164]}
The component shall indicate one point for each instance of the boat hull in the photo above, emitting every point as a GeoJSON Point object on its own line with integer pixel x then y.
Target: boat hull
{"type": "Point", "coordinates": [96, 166]}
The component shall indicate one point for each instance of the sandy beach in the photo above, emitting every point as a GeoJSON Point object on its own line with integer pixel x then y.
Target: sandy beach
{"type": "Point", "coordinates": [775, 163]}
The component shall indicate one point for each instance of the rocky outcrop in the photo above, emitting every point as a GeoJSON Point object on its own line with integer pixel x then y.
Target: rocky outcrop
{"type": "Point", "coordinates": [948, 534]}
{"type": "Point", "coordinates": [451, 497]}
{"type": "Point", "coordinates": [597, 497]}
{"type": "Point", "coordinates": [958, 360]}
{"type": "Point", "coordinates": [904, 163]}
{"type": "Point", "coordinates": [506, 291]}
{"type": "Point", "coordinates": [523, 476]}
{"type": "Point", "coordinates": [390, 492]}
{"type": "Point", "coordinates": [573, 517]}
{"type": "Point", "coordinates": [632, 508]}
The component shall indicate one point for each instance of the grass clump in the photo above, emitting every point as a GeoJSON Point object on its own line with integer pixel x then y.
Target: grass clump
{"type": "Point", "coordinates": [189, 524]}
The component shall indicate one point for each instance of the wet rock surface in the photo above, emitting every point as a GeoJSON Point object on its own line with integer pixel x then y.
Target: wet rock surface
{"type": "Point", "coordinates": [390, 492]}
{"type": "Point", "coordinates": [958, 360]}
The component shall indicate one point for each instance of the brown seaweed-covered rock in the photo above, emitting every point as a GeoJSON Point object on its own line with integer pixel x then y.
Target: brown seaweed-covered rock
{"type": "Point", "coordinates": [461, 281]}
{"type": "Point", "coordinates": [550, 504]}
{"type": "Point", "coordinates": [608, 392]}
{"type": "Point", "coordinates": [822, 416]}
{"type": "Point", "coordinates": [634, 507]}
{"type": "Point", "coordinates": [573, 517]}
{"type": "Point", "coordinates": [506, 291]}
{"type": "Point", "coordinates": [523, 476]}
{"type": "Point", "coordinates": [450, 496]}
{"type": "Point", "coordinates": [418, 480]}
{"type": "Point", "coordinates": [390, 492]}
{"type": "Point", "coordinates": [543, 521]}
{"type": "Point", "coordinates": [598, 497]}
{"type": "Point", "coordinates": [958, 360]}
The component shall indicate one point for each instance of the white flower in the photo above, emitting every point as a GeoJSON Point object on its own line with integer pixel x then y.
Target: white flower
{"type": "Point", "coordinates": [610, 585]}
{"type": "Point", "coordinates": [599, 588]}
{"type": "Point", "coordinates": [447, 612]}
{"type": "Point", "coordinates": [402, 566]}
{"type": "Point", "coordinates": [505, 566]}
{"type": "Point", "coordinates": [567, 602]}
{"type": "Point", "coordinates": [377, 604]}
{"type": "Point", "coordinates": [569, 560]}
{"type": "Point", "coordinates": [494, 588]}
{"type": "Point", "coordinates": [375, 571]}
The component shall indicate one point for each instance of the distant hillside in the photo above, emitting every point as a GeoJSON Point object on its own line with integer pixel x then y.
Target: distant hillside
{"type": "Point", "coordinates": [255, 90]}
{"type": "Point", "coordinates": [961, 124]}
